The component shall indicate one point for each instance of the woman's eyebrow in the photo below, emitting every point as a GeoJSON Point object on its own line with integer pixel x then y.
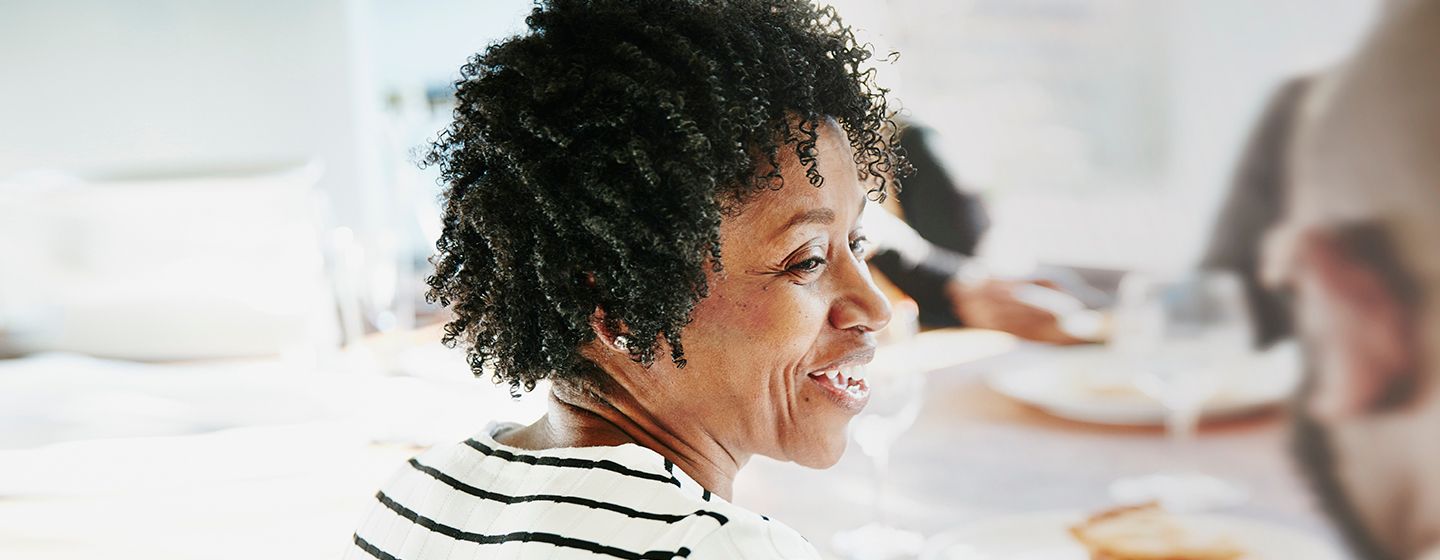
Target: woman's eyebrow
{"type": "Point", "coordinates": [824, 216]}
{"type": "Point", "coordinates": [812, 216]}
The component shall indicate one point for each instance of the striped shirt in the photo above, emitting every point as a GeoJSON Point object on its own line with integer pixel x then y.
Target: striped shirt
{"type": "Point", "coordinates": [481, 500]}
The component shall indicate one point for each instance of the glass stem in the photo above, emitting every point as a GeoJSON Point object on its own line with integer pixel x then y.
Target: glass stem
{"type": "Point", "coordinates": [1183, 423]}
{"type": "Point", "coordinates": [881, 462]}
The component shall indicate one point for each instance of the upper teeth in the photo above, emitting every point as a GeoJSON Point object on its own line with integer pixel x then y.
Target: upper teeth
{"type": "Point", "coordinates": [842, 378]}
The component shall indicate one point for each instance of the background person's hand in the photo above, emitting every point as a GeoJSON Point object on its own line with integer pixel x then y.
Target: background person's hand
{"type": "Point", "coordinates": [993, 304]}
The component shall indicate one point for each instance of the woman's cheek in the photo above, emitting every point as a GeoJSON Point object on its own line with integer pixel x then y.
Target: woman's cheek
{"type": "Point", "coordinates": [783, 320]}
{"type": "Point", "coordinates": [767, 330]}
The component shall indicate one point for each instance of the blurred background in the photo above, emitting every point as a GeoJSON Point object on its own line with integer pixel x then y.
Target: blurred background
{"type": "Point", "coordinates": [213, 240]}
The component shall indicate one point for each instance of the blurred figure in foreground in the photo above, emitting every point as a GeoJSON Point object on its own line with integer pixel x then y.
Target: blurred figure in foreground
{"type": "Point", "coordinates": [929, 254]}
{"type": "Point", "coordinates": [1356, 248]}
{"type": "Point", "coordinates": [1254, 203]}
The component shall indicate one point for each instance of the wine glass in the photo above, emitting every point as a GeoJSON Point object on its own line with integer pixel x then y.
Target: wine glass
{"type": "Point", "coordinates": [896, 387]}
{"type": "Point", "coordinates": [1183, 338]}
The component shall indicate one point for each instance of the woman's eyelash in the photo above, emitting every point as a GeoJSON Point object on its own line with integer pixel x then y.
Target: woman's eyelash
{"type": "Point", "coordinates": [860, 245]}
{"type": "Point", "coordinates": [809, 265]}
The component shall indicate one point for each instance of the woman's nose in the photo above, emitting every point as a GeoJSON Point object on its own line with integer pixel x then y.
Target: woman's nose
{"type": "Point", "coordinates": [860, 303]}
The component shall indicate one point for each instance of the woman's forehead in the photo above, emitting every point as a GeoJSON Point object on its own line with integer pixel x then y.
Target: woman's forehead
{"type": "Point", "coordinates": [774, 213]}
{"type": "Point", "coordinates": [799, 201]}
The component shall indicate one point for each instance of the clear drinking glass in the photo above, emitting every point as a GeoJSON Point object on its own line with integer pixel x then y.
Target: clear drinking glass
{"type": "Point", "coordinates": [1183, 338]}
{"type": "Point", "coordinates": [896, 392]}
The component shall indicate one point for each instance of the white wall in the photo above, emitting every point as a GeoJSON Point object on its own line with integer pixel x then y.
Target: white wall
{"type": "Point", "coordinates": [144, 84]}
{"type": "Point", "coordinates": [1002, 90]}
{"type": "Point", "coordinates": [1223, 60]}
{"type": "Point", "coordinates": [426, 42]}
{"type": "Point", "coordinates": [1228, 56]}
{"type": "Point", "coordinates": [153, 85]}
{"type": "Point", "coordinates": [188, 86]}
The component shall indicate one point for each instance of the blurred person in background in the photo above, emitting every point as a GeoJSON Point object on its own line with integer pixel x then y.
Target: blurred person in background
{"type": "Point", "coordinates": [1253, 206]}
{"type": "Point", "coordinates": [1356, 249]}
{"type": "Point", "coordinates": [654, 206]}
{"type": "Point", "coordinates": [928, 253]}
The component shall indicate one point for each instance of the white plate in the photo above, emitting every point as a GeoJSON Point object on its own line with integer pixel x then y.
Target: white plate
{"type": "Point", "coordinates": [1088, 384]}
{"type": "Point", "coordinates": [1045, 536]}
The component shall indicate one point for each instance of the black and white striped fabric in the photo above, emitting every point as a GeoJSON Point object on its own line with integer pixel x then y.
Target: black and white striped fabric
{"type": "Point", "coordinates": [483, 500]}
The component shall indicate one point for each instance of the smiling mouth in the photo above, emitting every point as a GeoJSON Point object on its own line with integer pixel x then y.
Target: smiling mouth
{"type": "Point", "coordinates": [846, 386]}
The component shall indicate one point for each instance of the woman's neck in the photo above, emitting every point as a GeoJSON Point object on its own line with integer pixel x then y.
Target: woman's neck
{"type": "Point", "coordinates": [577, 418]}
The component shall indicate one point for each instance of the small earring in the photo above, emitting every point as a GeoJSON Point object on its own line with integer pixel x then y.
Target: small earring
{"type": "Point", "coordinates": [623, 343]}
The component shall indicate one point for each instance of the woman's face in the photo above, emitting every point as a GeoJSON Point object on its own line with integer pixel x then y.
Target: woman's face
{"type": "Point", "coordinates": [794, 302]}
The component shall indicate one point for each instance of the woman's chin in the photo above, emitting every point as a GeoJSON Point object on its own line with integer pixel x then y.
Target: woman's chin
{"type": "Point", "coordinates": [826, 451]}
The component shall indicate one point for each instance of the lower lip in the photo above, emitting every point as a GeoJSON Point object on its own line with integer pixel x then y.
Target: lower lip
{"type": "Point", "coordinates": [852, 403]}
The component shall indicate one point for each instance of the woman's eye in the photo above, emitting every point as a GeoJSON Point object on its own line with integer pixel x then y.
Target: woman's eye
{"type": "Point", "coordinates": [808, 265]}
{"type": "Point", "coordinates": [860, 246]}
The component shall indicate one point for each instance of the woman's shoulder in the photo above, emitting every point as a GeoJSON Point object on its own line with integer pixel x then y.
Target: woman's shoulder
{"type": "Point", "coordinates": [754, 537]}
{"type": "Point", "coordinates": [622, 499]}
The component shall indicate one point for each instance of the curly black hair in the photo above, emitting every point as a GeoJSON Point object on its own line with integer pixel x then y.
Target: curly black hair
{"type": "Point", "coordinates": [591, 160]}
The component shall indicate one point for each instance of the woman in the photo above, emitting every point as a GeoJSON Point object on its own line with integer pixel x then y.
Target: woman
{"type": "Point", "coordinates": [655, 206]}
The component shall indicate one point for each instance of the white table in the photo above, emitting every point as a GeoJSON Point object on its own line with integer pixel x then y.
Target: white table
{"type": "Point", "coordinates": [973, 454]}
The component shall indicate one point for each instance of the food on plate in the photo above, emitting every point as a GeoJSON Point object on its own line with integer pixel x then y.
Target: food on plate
{"type": "Point", "coordinates": [1147, 532]}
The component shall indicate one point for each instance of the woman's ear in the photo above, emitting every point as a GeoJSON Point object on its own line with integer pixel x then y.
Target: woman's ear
{"type": "Point", "coordinates": [612, 334]}
{"type": "Point", "coordinates": [1363, 328]}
